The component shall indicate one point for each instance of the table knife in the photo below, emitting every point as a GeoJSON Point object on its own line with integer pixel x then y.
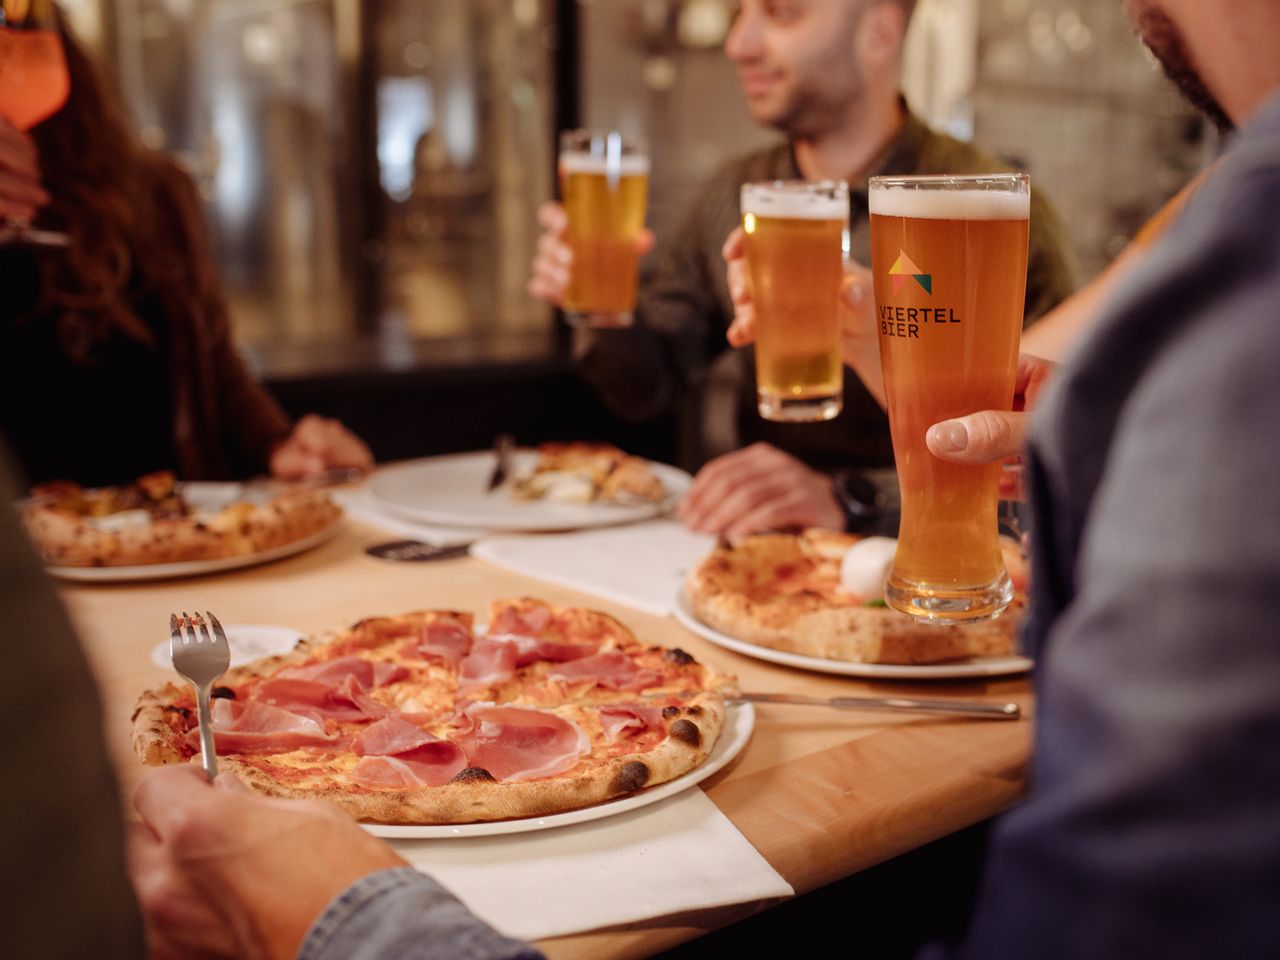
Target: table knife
{"type": "Point", "coordinates": [503, 445]}
{"type": "Point", "coordinates": [958, 708]}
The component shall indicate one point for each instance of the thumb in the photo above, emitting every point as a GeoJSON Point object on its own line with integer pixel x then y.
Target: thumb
{"type": "Point", "coordinates": [979, 438]}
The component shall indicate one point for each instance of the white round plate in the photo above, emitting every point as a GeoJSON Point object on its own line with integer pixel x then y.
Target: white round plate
{"type": "Point", "coordinates": [739, 721]}
{"type": "Point", "coordinates": [248, 642]}
{"type": "Point", "coordinates": [975, 667]}
{"type": "Point", "coordinates": [452, 490]}
{"type": "Point", "coordinates": [192, 568]}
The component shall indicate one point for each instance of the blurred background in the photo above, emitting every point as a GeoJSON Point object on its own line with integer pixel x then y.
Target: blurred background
{"type": "Point", "coordinates": [372, 169]}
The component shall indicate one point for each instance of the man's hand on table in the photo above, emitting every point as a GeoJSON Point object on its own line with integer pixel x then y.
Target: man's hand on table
{"type": "Point", "coordinates": [318, 444]}
{"type": "Point", "coordinates": [758, 488]}
{"type": "Point", "coordinates": [220, 872]}
{"type": "Point", "coordinates": [553, 262]}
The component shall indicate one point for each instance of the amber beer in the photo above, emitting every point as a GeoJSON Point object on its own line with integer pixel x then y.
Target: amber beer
{"type": "Point", "coordinates": [797, 239]}
{"type": "Point", "coordinates": [604, 182]}
{"type": "Point", "coordinates": [949, 257]}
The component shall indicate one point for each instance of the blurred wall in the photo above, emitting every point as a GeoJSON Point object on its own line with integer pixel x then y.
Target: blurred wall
{"type": "Point", "coordinates": [1059, 87]}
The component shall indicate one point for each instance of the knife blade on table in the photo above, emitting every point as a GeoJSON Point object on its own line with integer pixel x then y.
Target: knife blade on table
{"type": "Point", "coordinates": [958, 708]}
{"type": "Point", "coordinates": [503, 446]}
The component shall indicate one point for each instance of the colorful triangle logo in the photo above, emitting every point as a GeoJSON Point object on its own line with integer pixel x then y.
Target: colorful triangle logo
{"type": "Point", "coordinates": [903, 268]}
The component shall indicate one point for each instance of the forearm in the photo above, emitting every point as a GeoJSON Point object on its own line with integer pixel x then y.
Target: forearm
{"type": "Point", "coordinates": [630, 369]}
{"type": "Point", "coordinates": [402, 914]}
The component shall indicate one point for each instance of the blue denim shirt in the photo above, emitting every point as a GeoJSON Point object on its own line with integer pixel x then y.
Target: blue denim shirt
{"type": "Point", "coordinates": [1152, 827]}
{"type": "Point", "coordinates": [402, 914]}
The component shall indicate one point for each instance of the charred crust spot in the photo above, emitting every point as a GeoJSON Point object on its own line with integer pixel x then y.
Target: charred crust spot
{"type": "Point", "coordinates": [678, 656]}
{"type": "Point", "coordinates": [694, 711]}
{"type": "Point", "coordinates": [631, 777]}
{"type": "Point", "coordinates": [474, 774]}
{"type": "Point", "coordinates": [183, 712]}
{"type": "Point", "coordinates": [669, 712]}
{"type": "Point", "coordinates": [223, 693]}
{"type": "Point", "coordinates": [685, 732]}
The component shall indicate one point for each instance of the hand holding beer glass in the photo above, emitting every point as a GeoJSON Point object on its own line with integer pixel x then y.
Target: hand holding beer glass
{"type": "Point", "coordinates": [604, 180]}
{"type": "Point", "coordinates": [797, 242]}
{"type": "Point", "coordinates": [949, 259]}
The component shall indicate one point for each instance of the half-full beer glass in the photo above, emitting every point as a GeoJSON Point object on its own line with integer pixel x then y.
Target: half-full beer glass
{"type": "Point", "coordinates": [949, 257]}
{"type": "Point", "coordinates": [797, 241]}
{"type": "Point", "coordinates": [604, 179]}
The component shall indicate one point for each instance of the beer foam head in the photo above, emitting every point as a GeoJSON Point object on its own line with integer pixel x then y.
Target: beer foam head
{"type": "Point", "coordinates": [963, 204]}
{"type": "Point", "coordinates": [629, 165]}
{"type": "Point", "coordinates": [793, 202]}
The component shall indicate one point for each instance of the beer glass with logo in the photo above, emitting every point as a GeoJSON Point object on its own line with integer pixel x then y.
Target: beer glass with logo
{"type": "Point", "coordinates": [604, 180]}
{"type": "Point", "coordinates": [797, 241]}
{"type": "Point", "coordinates": [949, 258]}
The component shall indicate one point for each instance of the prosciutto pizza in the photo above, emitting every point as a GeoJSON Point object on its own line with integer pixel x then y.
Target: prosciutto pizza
{"type": "Point", "coordinates": [789, 593]}
{"type": "Point", "coordinates": [422, 719]}
{"type": "Point", "coordinates": [149, 521]}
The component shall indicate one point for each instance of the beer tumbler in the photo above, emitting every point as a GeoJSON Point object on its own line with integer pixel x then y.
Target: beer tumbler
{"type": "Point", "coordinates": [797, 241]}
{"type": "Point", "coordinates": [949, 259]}
{"type": "Point", "coordinates": [604, 180]}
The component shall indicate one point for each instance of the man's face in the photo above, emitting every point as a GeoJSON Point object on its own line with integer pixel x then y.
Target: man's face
{"type": "Point", "coordinates": [797, 62]}
{"type": "Point", "coordinates": [1166, 42]}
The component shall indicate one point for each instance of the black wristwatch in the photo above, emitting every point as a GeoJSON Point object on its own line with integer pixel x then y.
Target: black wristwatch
{"type": "Point", "coordinates": [860, 500]}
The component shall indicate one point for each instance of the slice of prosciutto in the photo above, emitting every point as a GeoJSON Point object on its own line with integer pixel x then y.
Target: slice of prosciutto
{"type": "Point", "coordinates": [390, 735]}
{"type": "Point", "coordinates": [612, 669]}
{"type": "Point", "coordinates": [619, 720]}
{"type": "Point", "coordinates": [261, 728]}
{"type": "Point", "coordinates": [396, 753]}
{"type": "Point", "coordinates": [445, 640]}
{"type": "Point", "coordinates": [341, 702]}
{"type": "Point", "coordinates": [431, 765]}
{"type": "Point", "coordinates": [514, 743]}
{"type": "Point", "coordinates": [532, 649]}
{"type": "Point", "coordinates": [490, 661]}
{"type": "Point", "coordinates": [527, 623]}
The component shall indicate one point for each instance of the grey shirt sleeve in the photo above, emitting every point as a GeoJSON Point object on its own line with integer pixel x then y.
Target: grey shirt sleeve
{"type": "Point", "coordinates": [401, 914]}
{"type": "Point", "coordinates": [1152, 827]}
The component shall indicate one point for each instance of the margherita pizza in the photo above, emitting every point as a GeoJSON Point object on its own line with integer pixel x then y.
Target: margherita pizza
{"type": "Point", "coordinates": [589, 473]}
{"type": "Point", "coordinates": [150, 522]}
{"type": "Point", "coordinates": [419, 719]}
{"type": "Point", "coordinates": [786, 593]}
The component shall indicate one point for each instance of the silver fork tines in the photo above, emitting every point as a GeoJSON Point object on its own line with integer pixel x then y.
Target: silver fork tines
{"type": "Point", "coordinates": [201, 654]}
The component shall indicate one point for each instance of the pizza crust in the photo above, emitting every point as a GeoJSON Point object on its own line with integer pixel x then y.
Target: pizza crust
{"type": "Point", "coordinates": [781, 592]}
{"type": "Point", "coordinates": [477, 799]}
{"type": "Point", "coordinates": [64, 538]}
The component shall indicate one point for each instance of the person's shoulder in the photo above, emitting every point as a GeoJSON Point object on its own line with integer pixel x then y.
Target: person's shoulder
{"type": "Point", "coordinates": [768, 163]}
{"type": "Point", "coordinates": [943, 153]}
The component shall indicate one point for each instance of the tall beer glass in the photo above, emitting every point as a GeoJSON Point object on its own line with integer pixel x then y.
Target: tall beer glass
{"type": "Point", "coordinates": [949, 257]}
{"type": "Point", "coordinates": [797, 241]}
{"type": "Point", "coordinates": [604, 180]}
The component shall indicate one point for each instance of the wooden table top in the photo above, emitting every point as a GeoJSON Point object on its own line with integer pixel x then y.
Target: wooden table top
{"type": "Point", "coordinates": [821, 794]}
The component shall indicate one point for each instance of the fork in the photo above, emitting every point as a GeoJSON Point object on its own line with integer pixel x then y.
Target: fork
{"type": "Point", "coordinates": [201, 656]}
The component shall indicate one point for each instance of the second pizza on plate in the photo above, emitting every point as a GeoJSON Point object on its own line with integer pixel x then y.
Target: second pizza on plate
{"type": "Point", "coordinates": [801, 594]}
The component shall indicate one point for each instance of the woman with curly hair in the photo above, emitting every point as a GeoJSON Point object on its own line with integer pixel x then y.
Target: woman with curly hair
{"type": "Point", "coordinates": [116, 356]}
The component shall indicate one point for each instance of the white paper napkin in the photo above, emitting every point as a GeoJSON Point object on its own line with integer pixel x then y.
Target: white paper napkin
{"type": "Point", "coordinates": [676, 855]}
{"type": "Point", "coordinates": [641, 565]}
{"type": "Point", "coordinates": [362, 505]}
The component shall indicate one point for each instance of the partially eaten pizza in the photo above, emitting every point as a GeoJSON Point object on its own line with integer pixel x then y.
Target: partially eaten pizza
{"type": "Point", "coordinates": [789, 593]}
{"type": "Point", "coordinates": [421, 718]}
{"type": "Point", "coordinates": [150, 521]}
{"type": "Point", "coordinates": [589, 473]}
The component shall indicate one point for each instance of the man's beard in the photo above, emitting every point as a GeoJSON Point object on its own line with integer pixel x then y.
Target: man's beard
{"type": "Point", "coordinates": [1163, 39]}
